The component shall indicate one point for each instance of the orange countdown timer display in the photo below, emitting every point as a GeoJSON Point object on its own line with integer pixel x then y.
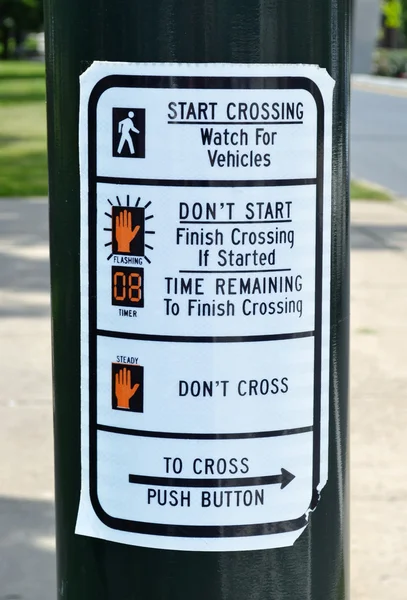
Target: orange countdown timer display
{"type": "Point", "coordinates": [128, 287]}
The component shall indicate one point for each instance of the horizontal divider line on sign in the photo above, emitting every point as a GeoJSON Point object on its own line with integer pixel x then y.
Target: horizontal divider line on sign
{"type": "Point", "coordinates": [205, 436]}
{"type": "Point", "coordinates": [204, 339]}
{"type": "Point", "coordinates": [208, 182]}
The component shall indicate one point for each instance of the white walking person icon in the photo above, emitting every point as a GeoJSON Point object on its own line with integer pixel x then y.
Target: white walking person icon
{"type": "Point", "coordinates": [125, 127]}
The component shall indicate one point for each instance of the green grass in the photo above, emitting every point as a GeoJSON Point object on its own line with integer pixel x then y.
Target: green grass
{"type": "Point", "coordinates": [19, 69]}
{"type": "Point", "coordinates": [366, 331]}
{"type": "Point", "coordinates": [365, 191]}
{"type": "Point", "coordinates": [23, 154]}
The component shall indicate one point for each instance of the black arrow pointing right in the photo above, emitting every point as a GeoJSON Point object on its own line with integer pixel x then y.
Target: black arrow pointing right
{"type": "Point", "coordinates": [284, 479]}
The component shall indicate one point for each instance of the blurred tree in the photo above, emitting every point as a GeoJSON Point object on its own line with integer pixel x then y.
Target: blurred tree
{"type": "Point", "coordinates": [392, 22]}
{"type": "Point", "coordinates": [17, 18]}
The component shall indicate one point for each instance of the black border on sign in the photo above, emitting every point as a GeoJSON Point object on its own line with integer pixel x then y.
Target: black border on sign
{"type": "Point", "coordinates": [185, 82]}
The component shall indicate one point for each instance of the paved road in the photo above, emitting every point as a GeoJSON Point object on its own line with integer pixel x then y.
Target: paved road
{"type": "Point", "coordinates": [379, 138]}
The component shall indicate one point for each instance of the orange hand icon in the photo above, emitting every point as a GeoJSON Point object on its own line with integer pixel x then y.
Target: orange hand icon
{"type": "Point", "coordinates": [123, 390]}
{"type": "Point", "coordinates": [124, 232]}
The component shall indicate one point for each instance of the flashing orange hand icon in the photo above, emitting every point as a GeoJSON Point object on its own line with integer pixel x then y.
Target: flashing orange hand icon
{"type": "Point", "coordinates": [123, 390]}
{"type": "Point", "coordinates": [124, 232]}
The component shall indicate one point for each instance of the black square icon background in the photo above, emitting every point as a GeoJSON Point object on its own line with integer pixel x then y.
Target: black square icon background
{"type": "Point", "coordinates": [136, 403]}
{"type": "Point", "coordinates": [137, 218]}
{"type": "Point", "coordinates": [136, 116]}
{"type": "Point", "coordinates": [128, 286]}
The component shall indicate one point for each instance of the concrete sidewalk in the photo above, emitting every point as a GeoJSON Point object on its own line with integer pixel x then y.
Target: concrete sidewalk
{"type": "Point", "coordinates": [27, 562]}
{"type": "Point", "coordinates": [378, 403]}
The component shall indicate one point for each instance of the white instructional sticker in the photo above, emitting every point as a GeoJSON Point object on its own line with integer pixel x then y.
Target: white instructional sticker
{"type": "Point", "coordinates": [205, 289]}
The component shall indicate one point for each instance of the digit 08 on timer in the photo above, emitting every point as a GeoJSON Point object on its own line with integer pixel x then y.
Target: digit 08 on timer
{"type": "Point", "coordinates": [128, 287]}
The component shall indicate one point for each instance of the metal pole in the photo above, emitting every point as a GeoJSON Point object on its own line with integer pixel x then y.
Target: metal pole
{"type": "Point", "coordinates": [288, 362]}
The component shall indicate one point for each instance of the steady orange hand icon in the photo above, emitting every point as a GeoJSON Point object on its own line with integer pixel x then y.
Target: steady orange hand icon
{"type": "Point", "coordinates": [123, 390]}
{"type": "Point", "coordinates": [124, 232]}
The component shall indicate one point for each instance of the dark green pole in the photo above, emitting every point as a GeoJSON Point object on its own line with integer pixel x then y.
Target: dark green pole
{"type": "Point", "coordinates": [191, 31]}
